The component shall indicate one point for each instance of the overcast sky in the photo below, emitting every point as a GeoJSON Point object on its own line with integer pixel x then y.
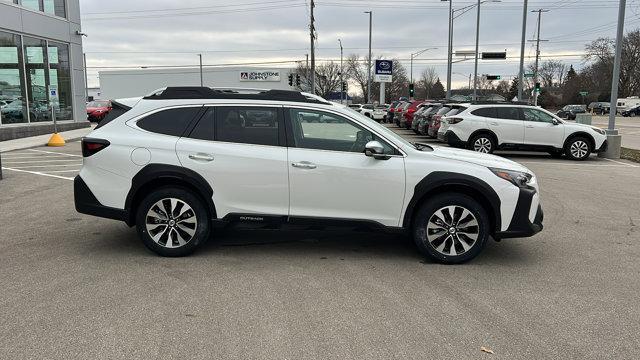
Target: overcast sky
{"type": "Point", "coordinates": [129, 34]}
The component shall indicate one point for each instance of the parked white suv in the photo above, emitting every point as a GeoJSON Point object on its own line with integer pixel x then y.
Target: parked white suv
{"type": "Point", "coordinates": [488, 127]}
{"type": "Point", "coordinates": [183, 160]}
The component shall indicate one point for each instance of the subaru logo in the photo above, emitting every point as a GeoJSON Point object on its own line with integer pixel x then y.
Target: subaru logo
{"type": "Point", "coordinates": [384, 65]}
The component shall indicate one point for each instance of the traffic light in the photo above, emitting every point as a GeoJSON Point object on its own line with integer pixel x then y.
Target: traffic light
{"type": "Point", "coordinates": [297, 79]}
{"type": "Point", "coordinates": [344, 86]}
{"type": "Point", "coordinates": [537, 89]}
{"type": "Point", "coordinates": [411, 90]}
{"type": "Point", "coordinates": [494, 77]}
{"type": "Point", "coordinates": [290, 79]}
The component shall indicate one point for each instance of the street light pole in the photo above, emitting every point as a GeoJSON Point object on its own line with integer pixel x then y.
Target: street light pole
{"type": "Point", "coordinates": [369, 61]}
{"type": "Point", "coordinates": [475, 71]}
{"type": "Point", "coordinates": [613, 139]}
{"type": "Point", "coordinates": [201, 80]}
{"type": "Point", "coordinates": [313, 51]}
{"type": "Point", "coordinates": [450, 50]}
{"type": "Point", "coordinates": [341, 81]}
{"type": "Point", "coordinates": [524, 30]}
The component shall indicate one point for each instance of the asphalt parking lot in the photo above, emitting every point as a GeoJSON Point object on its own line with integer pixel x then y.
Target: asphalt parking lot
{"type": "Point", "coordinates": [79, 287]}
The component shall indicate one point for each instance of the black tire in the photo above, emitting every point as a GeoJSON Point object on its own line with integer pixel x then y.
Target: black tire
{"type": "Point", "coordinates": [437, 244]}
{"type": "Point", "coordinates": [578, 148]}
{"type": "Point", "coordinates": [177, 232]}
{"type": "Point", "coordinates": [483, 143]}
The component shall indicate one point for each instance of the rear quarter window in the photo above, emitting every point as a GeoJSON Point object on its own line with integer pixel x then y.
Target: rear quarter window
{"type": "Point", "coordinates": [485, 112]}
{"type": "Point", "coordinates": [172, 122]}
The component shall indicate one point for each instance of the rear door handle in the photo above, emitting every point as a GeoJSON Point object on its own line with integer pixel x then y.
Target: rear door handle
{"type": "Point", "coordinates": [530, 126]}
{"type": "Point", "coordinates": [201, 157]}
{"type": "Point", "coordinates": [304, 165]}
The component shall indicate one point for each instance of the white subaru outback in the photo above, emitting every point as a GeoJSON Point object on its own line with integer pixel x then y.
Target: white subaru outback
{"type": "Point", "coordinates": [183, 160]}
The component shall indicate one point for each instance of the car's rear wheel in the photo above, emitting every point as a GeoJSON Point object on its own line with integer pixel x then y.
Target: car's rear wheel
{"type": "Point", "coordinates": [172, 221]}
{"type": "Point", "coordinates": [451, 228]}
{"type": "Point", "coordinates": [578, 148]}
{"type": "Point", "coordinates": [482, 143]}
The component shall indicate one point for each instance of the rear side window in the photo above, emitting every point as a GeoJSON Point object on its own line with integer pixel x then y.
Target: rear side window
{"type": "Point", "coordinates": [169, 122]}
{"type": "Point", "coordinates": [485, 112]}
{"type": "Point", "coordinates": [247, 125]}
{"type": "Point", "coordinates": [508, 113]}
{"type": "Point", "coordinates": [204, 129]}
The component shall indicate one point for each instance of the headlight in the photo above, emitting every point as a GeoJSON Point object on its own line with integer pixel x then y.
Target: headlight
{"type": "Point", "coordinates": [599, 131]}
{"type": "Point", "coordinates": [517, 178]}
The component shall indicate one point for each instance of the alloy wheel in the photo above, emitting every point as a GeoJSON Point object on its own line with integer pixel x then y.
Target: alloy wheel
{"type": "Point", "coordinates": [452, 230]}
{"type": "Point", "coordinates": [579, 149]}
{"type": "Point", "coordinates": [482, 145]}
{"type": "Point", "coordinates": [171, 223]}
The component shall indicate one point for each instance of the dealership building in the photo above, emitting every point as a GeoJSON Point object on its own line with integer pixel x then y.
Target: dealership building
{"type": "Point", "coordinates": [41, 67]}
{"type": "Point", "coordinates": [117, 84]}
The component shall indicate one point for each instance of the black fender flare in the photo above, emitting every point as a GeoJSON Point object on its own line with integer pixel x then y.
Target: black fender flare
{"type": "Point", "coordinates": [444, 181]}
{"type": "Point", "coordinates": [587, 136]}
{"type": "Point", "coordinates": [161, 175]}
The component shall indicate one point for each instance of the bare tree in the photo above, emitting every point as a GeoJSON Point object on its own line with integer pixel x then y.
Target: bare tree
{"type": "Point", "coordinates": [552, 73]}
{"type": "Point", "coordinates": [356, 69]}
{"type": "Point", "coordinates": [327, 78]}
{"type": "Point", "coordinates": [428, 78]}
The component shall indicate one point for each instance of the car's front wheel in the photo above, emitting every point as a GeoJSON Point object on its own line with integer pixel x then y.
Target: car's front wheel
{"type": "Point", "coordinates": [578, 148]}
{"type": "Point", "coordinates": [172, 221]}
{"type": "Point", "coordinates": [451, 228]}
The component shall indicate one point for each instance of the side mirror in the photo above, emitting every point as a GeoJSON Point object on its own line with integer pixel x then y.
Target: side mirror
{"type": "Point", "coordinates": [376, 150]}
{"type": "Point", "coordinates": [555, 122]}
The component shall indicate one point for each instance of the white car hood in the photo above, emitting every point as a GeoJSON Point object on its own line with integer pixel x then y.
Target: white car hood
{"type": "Point", "coordinates": [477, 158]}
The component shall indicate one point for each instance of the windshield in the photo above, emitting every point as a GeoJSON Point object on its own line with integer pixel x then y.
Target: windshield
{"type": "Point", "coordinates": [98, 104]}
{"type": "Point", "coordinates": [379, 128]}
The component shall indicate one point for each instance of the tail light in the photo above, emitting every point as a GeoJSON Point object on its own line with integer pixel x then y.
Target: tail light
{"type": "Point", "coordinates": [454, 120]}
{"type": "Point", "coordinates": [411, 110]}
{"type": "Point", "coordinates": [91, 146]}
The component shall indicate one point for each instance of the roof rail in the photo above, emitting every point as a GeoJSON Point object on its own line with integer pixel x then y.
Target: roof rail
{"type": "Point", "coordinates": [497, 102]}
{"type": "Point", "coordinates": [198, 92]}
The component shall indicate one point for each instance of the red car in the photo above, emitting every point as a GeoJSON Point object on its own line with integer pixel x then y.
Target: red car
{"type": "Point", "coordinates": [409, 111]}
{"type": "Point", "coordinates": [98, 109]}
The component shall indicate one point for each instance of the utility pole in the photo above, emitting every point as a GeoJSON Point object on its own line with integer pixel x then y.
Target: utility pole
{"type": "Point", "coordinates": [524, 30]}
{"type": "Point", "coordinates": [369, 60]}
{"type": "Point", "coordinates": [613, 139]}
{"type": "Point", "coordinates": [201, 80]}
{"type": "Point", "coordinates": [86, 78]}
{"type": "Point", "coordinates": [535, 73]}
{"type": "Point", "coordinates": [475, 78]}
{"type": "Point", "coordinates": [341, 81]}
{"type": "Point", "coordinates": [450, 50]}
{"type": "Point", "coordinates": [312, 31]}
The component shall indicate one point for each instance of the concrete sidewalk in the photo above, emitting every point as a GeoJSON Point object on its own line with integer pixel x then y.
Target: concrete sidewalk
{"type": "Point", "coordinates": [35, 141]}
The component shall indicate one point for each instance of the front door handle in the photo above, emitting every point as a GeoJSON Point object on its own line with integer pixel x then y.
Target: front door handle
{"type": "Point", "coordinates": [530, 126]}
{"type": "Point", "coordinates": [201, 157]}
{"type": "Point", "coordinates": [304, 165]}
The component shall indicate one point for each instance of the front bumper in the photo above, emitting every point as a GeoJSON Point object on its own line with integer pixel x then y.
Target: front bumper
{"type": "Point", "coordinates": [86, 203]}
{"type": "Point", "coordinates": [603, 147]}
{"type": "Point", "coordinates": [520, 225]}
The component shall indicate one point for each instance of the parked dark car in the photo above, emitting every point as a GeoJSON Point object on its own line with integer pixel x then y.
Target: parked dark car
{"type": "Point", "coordinates": [425, 116]}
{"type": "Point", "coordinates": [397, 113]}
{"type": "Point", "coordinates": [634, 111]}
{"type": "Point", "coordinates": [570, 111]}
{"type": "Point", "coordinates": [599, 107]}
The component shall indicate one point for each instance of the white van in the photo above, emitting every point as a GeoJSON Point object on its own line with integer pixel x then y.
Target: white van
{"type": "Point", "coordinates": [627, 103]}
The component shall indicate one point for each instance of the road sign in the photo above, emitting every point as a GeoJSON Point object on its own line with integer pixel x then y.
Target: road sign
{"type": "Point", "coordinates": [529, 75]}
{"type": "Point", "coordinates": [584, 93]}
{"type": "Point", "coordinates": [383, 71]}
{"type": "Point", "coordinates": [493, 77]}
{"type": "Point", "coordinates": [494, 55]}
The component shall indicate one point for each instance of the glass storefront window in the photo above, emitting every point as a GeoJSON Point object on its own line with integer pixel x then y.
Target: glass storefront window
{"type": "Point", "coordinates": [60, 80]}
{"type": "Point", "coordinates": [31, 4]}
{"type": "Point", "coordinates": [55, 7]}
{"type": "Point", "coordinates": [35, 66]}
{"type": "Point", "coordinates": [12, 107]}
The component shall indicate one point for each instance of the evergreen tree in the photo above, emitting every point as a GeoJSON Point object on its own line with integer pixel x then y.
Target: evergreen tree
{"type": "Point", "coordinates": [437, 91]}
{"type": "Point", "coordinates": [513, 90]}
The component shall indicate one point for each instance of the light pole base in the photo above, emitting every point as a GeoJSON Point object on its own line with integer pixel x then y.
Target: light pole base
{"type": "Point", "coordinates": [614, 142]}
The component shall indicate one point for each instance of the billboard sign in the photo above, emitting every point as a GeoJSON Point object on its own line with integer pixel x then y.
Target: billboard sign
{"type": "Point", "coordinates": [260, 76]}
{"type": "Point", "coordinates": [384, 71]}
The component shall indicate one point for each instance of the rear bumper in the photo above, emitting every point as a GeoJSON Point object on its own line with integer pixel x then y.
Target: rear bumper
{"type": "Point", "coordinates": [520, 225]}
{"type": "Point", "coordinates": [86, 203]}
{"type": "Point", "coordinates": [451, 138]}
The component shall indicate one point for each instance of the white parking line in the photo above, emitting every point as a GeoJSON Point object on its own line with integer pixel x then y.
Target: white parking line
{"type": "Point", "coordinates": [38, 173]}
{"type": "Point", "coordinates": [32, 157]}
{"type": "Point", "coordinates": [38, 161]}
{"type": "Point", "coordinates": [45, 166]}
{"type": "Point", "coordinates": [620, 162]}
{"type": "Point", "coordinates": [573, 164]}
{"type": "Point", "coordinates": [61, 171]}
{"type": "Point", "coordinates": [53, 152]}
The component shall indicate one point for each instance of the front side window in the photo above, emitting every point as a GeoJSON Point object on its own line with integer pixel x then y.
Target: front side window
{"type": "Point", "coordinates": [247, 125]}
{"type": "Point", "coordinates": [537, 116]}
{"type": "Point", "coordinates": [320, 130]}
{"type": "Point", "coordinates": [508, 113]}
{"type": "Point", "coordinates": [169, 122]}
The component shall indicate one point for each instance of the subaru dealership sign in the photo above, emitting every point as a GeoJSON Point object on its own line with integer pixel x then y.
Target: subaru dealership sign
{"type": "Point", "coordinates": [384, 71]}
{"type": "Point", "coordinates": [261, 75]}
